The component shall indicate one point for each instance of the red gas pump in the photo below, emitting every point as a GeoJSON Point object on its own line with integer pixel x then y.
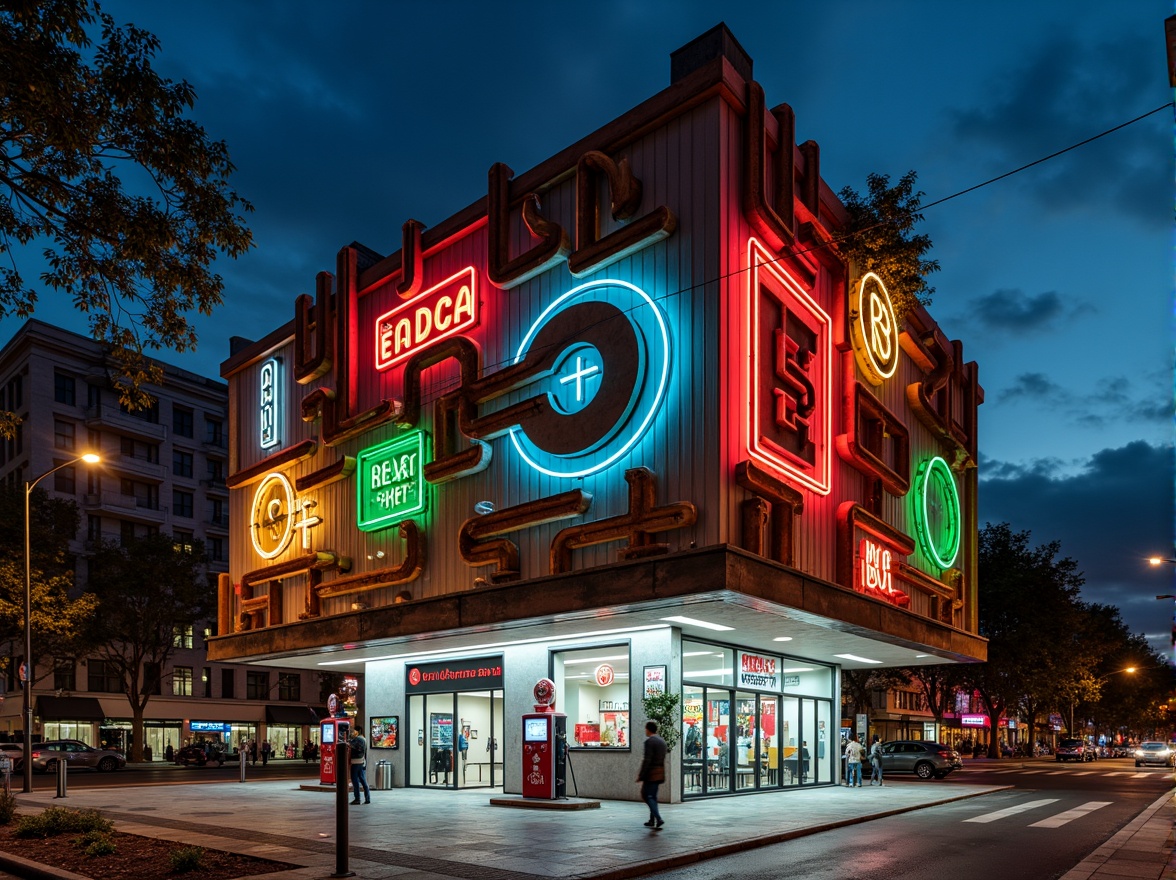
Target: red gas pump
{"type": "Point", "coordinates": [545, 746]}
{"type": "Point", "coordinates": [331, 732]}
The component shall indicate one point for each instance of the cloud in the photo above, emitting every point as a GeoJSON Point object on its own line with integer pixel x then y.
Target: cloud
{"type": "Point", "coordinates": [1109, 517]}
{"type": "Point", "coordinates": [1111, 400]}
{"type": "Point", "coordinates": [1010, 310]}
{"type": "Point", "coordinates": [1064, 93]}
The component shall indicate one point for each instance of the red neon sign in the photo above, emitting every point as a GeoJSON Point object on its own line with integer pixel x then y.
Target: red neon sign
{"type": "Point", "coordinates": [441, 311]}
{"type": "Point", "coordinates": [789, 380]}
{"type": "Point", "coordinates": [876, 575]}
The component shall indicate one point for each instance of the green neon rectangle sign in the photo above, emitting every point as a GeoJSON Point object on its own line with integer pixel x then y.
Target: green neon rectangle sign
{"type": "Point", "coordinates": [389, 482]}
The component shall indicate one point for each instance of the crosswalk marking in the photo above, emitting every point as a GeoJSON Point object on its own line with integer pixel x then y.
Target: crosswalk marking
{"type": "Point", "coordinates": [1070, 815]}
{"type": "Point", "coordinates": [1118, 773]}
{"type": "Point", "coordinates": [1057, 772]}
{"type": "Point", "coordinates": [1033, 771]}
{"type": "Point", "coordinates": [1139, 775]}
{"type": "Point", "coordinates": [1012, 811]}
{"type": "Point", "coordinates": [1086, 773]}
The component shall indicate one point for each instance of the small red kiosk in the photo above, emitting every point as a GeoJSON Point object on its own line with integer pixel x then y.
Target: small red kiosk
{"type": "Point", "coordinates": [332, 731]}
{"type": "Point", "coordinates": [545, 746]}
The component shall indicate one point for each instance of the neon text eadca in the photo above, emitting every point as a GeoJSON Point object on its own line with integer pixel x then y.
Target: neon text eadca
{"type": "Point", "coordinates": [438, 313]}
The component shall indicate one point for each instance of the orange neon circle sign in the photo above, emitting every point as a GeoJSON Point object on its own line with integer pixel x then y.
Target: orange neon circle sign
{"type": "Point", "coordinates": [874, 328]}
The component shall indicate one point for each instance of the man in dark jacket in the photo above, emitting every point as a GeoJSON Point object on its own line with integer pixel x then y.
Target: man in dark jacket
{"type": "Point", "coordinates": [653, 772]}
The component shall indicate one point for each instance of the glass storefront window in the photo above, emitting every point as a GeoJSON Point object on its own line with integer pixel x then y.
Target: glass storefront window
{"type": "Point", "coordinates": [595, 687]}
{"type": "Point", "coordinates": [707, 663]}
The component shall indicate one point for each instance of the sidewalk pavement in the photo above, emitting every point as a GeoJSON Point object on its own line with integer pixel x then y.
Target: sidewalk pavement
{"type": "Point", "coordinates": [417, 834]}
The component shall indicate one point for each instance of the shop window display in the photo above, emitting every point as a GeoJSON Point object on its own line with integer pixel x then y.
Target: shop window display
{"type": "Point", "coordinates": [593, 684]}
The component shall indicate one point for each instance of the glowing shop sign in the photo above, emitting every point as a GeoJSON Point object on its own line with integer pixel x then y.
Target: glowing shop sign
{"type": "Point", "coordinates": [601, 353]}
{"type": "Point", "coordinates": [874, 329]}
{"type": "Point", "coordinates": [758, 671]}
{"type": "Point", "coordinates": [789, 379]}
{"type": "Point", "coordinates": [390, 483]}
{"type": "Point", "coordinates": [269, 414]}
{"type": "Point", "coordinates": [937, 512]}
{"type": "Point", "coordinates": [435, 314]}
{"type": "Point", "coordinates": [278, 515]}
{"type": "Point", "coordinates": [605, 675]}
{"type": "Point", "coordinates": [974, 721]}
{"type": "Point", "coordinates": [876, 575]}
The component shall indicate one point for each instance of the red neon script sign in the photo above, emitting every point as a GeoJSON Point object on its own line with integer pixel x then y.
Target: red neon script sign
{"type": "Point", "coordinates": [875, 574]}
{"type": "Point", "coordinates": [441, 311]}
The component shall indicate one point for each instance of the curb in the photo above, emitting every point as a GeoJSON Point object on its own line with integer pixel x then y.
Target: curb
{"type": "Point", "coordinates": [1093, 862]}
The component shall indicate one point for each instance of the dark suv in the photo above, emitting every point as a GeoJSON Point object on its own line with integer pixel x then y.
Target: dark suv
{"type": "Point", "coordinates": [1074, 750]}
{"type": "Point", "coordinates": [924, 759]}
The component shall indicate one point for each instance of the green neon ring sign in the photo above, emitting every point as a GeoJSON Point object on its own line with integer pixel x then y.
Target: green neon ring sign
{"type": "Point", "coordinates": [937, 512]}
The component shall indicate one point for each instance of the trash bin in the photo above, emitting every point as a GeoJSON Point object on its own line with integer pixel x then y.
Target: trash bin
{"type": "Point", "coordinates": [383, 775]}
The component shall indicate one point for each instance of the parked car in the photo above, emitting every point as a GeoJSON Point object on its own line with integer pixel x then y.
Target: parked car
{"type": "Point", "coordinates": [1074, 750]}
{"type": "Point", "coordinates": [15, 751]}
{"type": "Point", "coordinates": [1155, 753]}
{"type": "Point", "coordinates": [75, 754]}
{"type": "Point", "coordinates": [924, 759]}
{"type": "Point", "coordinates": [199, 755]}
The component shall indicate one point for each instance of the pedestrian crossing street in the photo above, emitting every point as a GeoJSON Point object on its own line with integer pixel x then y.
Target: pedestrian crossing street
{"type": "Point", "coordinates": [1057, 820]}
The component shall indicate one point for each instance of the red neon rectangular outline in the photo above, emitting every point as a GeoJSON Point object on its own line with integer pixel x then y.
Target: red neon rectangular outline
{"type": "Point", "coordinates": [416, 303]}
{"type": "Point", "coordinates": [760, 453]}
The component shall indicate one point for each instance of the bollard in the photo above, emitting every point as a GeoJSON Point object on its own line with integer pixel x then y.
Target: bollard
{"type": "Point", "coordinates": [342, 839]}
{"type": "Point", "coordinates": [241, 752]}
{"type": "Point", "coordinates": [62, 770]}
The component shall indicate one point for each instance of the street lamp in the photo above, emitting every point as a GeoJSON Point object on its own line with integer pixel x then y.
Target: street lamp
{"type": "Point", "coordinates": [1160, 560]}
{"type": "Point", "coordinates": [88, 458]}
{"type": "Point", "coordinates": [1129, 669]}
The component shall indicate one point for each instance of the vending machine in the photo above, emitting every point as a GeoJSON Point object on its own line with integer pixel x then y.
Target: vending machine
{"type": "Point", "coordinates": [545, 750]}
{"type": "Point", "coordinates": [332, 731]}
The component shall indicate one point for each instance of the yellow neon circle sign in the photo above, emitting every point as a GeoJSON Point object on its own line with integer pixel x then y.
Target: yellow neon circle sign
{"type": "Point", "coordinates": [272, 524]}
{"type": "Point", "coordinates": [874, 329]}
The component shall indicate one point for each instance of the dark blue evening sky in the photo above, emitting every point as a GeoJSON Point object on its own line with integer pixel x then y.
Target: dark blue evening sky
{"type": "Point", "coordinates": [346, 119]}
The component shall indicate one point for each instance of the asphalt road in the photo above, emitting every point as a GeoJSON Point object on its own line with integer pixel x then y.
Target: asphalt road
{"type": "Point", "coordinates": [1055, 816]}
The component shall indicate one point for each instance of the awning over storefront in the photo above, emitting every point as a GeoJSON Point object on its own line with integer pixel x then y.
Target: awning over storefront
{"type": "Point", "coordinates": [69, 709]}
{"type": "Point", "coordinates": [290, 715]}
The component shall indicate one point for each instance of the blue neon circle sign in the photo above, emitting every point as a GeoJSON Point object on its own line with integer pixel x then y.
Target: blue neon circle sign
{"type": "Point", "coordinates": [605, 351]}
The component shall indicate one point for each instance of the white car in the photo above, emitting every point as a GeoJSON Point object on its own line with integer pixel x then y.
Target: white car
{"type": "Point", "coordinates": [1155, 753]}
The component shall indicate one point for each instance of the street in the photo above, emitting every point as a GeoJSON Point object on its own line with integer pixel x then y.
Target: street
{"type": "Point", "coordinates": [1051, 819]}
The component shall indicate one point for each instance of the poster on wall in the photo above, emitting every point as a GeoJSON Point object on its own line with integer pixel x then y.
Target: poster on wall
{"type": "Point", "coordinates": [655, 680]}
{"type": "Point", "coordinates": [614, 729]}
{"type": "Point", "coordinates": [441, 730]}
{"type": "Point", "coordinates": [385, 732]}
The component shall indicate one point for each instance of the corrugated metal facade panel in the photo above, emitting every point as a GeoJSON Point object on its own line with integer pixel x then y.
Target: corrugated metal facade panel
{"type": "Point", "coordinates": [700, 278]}
{"type": "Point", "coordinates": [678, 167]}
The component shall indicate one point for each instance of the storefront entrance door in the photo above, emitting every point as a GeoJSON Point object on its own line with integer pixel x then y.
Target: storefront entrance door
{"type": "Point", "coordinates": [453, 740]}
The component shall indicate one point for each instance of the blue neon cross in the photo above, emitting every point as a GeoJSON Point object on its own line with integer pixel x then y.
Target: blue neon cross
{"type": "Point", "coordinates": [581, 372]}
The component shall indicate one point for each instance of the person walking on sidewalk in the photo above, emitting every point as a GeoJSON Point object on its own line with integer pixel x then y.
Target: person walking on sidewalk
{"type": "Point", "coordinates": [653, 772]}
{"type": "Point", "coordinates": [876, 761]}
{"type": "Point", "coordinates": [358, 747]}
{"type": "Point", "coordinates": [853, 762]}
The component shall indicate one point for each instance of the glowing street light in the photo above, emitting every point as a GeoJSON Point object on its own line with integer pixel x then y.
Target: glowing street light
{"type": "Point", "coordinates": [88, 458]}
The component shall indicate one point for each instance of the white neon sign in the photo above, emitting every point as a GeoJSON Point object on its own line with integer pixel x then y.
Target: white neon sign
{"type": "Point", "coordinates": [269, 414]}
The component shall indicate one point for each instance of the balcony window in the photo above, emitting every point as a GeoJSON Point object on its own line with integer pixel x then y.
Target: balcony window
{"type": "Point", "coordinates": [64, 434]}
{"type": "Point", "coordinates": [214, 432]}
{"type": "Point", "coordinates": [182, 681]}
{"type": "Point", "coordinates": [182, 463]}
{"type": "Point", "coordinates": [182, 504]}
{"type": "Point", "coordinates": [182, 421]}
{"type": "Point", "coordinates": [65, 481]}
{"type": "Point", "coordinates": [64, 389]}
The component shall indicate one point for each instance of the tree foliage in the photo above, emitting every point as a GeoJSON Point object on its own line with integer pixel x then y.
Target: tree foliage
{"type": "Point", "coordinates": [662, 707]}
{"type": "Point", "coordinates": [880, 238]}
{"type": "Point", "coordinates": [1030, 614]}
{"type": "Point", "coordinates": [147, 592]}
{"type": "Point", "coordinates": [127, 200]}
{"type": "Point", "coordinates": [59, 619]}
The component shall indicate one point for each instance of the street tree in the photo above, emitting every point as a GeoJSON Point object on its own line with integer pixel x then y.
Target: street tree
{"type": "Point", "coordinates": [1030, 613]}
{"type": "Point", "coordinates": [109, 194]}
{"type": "Point", "coordinates": [858, 686]}
{"type": "Point", "coordinates": [150, 592]}
{"type": "Point", "coordinates": [59, 618]}
{"type": "Point", "coordinates": [937, 685]}
{"type": "Point", "coordinates": [879, 237]}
